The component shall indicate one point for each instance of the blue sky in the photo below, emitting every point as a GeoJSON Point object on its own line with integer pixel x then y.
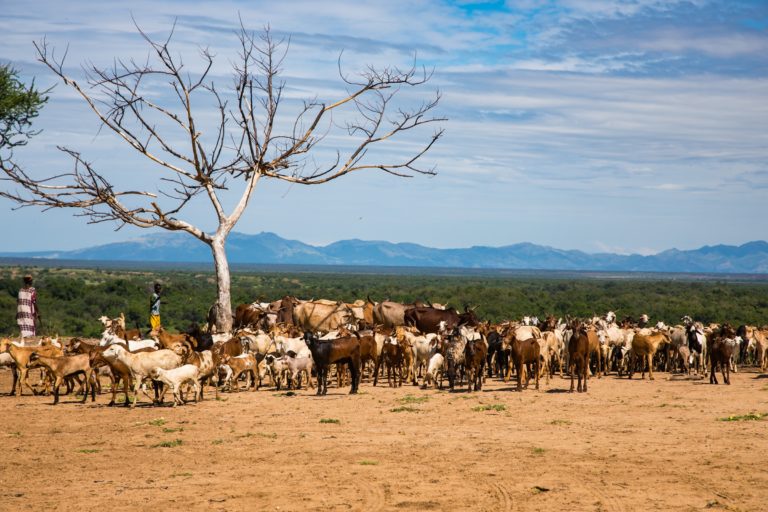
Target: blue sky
{"type": "Point", "coordinates": [624, 126]}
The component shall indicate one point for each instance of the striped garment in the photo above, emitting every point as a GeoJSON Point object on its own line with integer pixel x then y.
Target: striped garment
{"type": "Point", "coordinates": [26, 311]}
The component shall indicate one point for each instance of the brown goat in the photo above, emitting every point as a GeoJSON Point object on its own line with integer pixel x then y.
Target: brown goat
{"type": "Point", "coordinates": [522, 352]}
{"type": "Point", "coordinates": [392, 359]}
{"type": "Point", "coordinates": [475, 353]}
{"type": "Point", "coordinates": [578, 355]}
{"type": "Point", "coordinates": [720, 348]}
{"type": "Point", "coordinates": [21, 356]}
{"type": "Point", "coordinates": [65, 366]}
{"type": "Point", "coordinates": [644, 347]}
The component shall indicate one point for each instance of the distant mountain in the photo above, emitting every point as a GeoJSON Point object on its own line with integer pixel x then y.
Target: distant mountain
{"type": "Point", "coordinates": [750, 258]}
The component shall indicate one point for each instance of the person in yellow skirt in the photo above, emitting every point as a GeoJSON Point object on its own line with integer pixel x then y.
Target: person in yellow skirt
{"type": "Point", "coordinates": [154, 307]}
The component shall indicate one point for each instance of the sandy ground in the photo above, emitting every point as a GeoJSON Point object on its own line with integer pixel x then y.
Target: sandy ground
{"type": "Point", "coordinates": [624, 446]}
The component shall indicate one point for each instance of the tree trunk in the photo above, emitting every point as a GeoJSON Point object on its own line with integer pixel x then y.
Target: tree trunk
{"type": "Point", "coordinates": [223, 299]}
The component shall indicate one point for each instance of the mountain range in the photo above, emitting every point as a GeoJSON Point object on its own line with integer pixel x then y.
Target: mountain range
{"type": "Point", "coordinates": [269, 248]}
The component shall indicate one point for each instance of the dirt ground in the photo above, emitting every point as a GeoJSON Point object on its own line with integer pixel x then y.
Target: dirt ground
{"type": "Point", "coordinates": [623, 446]}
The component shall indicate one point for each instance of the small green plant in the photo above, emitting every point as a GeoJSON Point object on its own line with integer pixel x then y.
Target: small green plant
{"type": "Point", "coordinates": [369, 463]}
{"type": "Point", "coordinates": [330, 420]}
{"type": "Point", "coordinates": [217, 441]}
{"type": "Point", "coordinates": [538, 451]}
{"type": "Point", "coordinates": [168, 444]}
{"type": "Point", "coordinates": [14, 434]}
{"type": "Point", "coordinates": [246, 435]}
{"type": "Point", "coordinates": [88, 450]}
{"type": "Point", "coordinates": [560, 422]}
{"type": "Point", "coordinates": [172, 430]}
{"type": "Point", "coordinates": [490, 407]}
{"type": "Point", "coordinates": [159, 422]}
{"type": "Point", "coordinates": [410, 399]}
{"type": "Point", "coordinates": [180, 474]}
{"type": "Point", "coordinates": [745, 417]}
{"type": "Point", "coordinates": [404, 408]}
{"type": "Point", "coordinates": [268, 435]}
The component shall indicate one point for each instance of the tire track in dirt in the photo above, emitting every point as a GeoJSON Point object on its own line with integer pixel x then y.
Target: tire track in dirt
{"type": "Point", "coordinates": [375, 497]}
{"type": "Point", "coordinates": [608, 503]}
{"type": "Point", "coordinates": [503, 497]}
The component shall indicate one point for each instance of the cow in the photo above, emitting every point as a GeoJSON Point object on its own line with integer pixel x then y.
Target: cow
{"type": "Point", "coordinates": [389, 314]}
{"type": "Point", "coordinates": [322, 316]}
{"type": "Point", "coordinates": [432, 320]}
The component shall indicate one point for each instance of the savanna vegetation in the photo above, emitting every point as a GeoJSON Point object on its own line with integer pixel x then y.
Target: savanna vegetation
{"type": "Point", "coordinates": [71, 299]}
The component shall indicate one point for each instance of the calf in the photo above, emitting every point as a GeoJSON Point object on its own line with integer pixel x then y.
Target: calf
{"type": "Point", "coordinates": [341, 350]}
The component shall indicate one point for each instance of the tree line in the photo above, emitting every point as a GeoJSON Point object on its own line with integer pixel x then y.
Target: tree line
{"type": "Point", "coordinates": [72, 300]}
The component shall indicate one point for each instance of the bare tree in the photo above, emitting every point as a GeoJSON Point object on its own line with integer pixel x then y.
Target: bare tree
{"type": "Point", "coordinates": [241, 147]}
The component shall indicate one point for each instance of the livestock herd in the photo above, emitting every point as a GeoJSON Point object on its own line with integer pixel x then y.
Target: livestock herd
{"type": "Point", "coordinates": [289, 341]}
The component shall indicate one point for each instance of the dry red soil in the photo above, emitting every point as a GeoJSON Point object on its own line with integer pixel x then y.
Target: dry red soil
{"type": "Point", "coordinates": [624, 446]}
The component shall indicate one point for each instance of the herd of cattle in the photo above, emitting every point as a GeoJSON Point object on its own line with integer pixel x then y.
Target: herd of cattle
{"type": "Point", "coordinates": [290, 340]}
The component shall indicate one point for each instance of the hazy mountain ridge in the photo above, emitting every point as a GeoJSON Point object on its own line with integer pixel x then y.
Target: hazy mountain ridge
{"type": "Point", "coordinates": [750, 258]}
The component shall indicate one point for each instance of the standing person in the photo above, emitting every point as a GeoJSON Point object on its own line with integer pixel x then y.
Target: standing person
{"type": "Point", "coordinates": [27, 311]}
{"type": "Point", "coordinates": [154, 307]}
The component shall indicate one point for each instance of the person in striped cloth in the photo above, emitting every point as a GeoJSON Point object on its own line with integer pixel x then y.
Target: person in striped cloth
{"type": "Point", "coordinates": [27, 311]}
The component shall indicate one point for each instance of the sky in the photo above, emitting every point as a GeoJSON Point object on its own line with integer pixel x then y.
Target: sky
{"type": "Point", "coordinates": [627, 126]}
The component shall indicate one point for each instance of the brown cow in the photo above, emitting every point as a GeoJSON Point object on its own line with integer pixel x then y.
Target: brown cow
{"type": "Point", "coordinates": [323, 316]}
{"type": "Point", "coordinates": [431, 320]}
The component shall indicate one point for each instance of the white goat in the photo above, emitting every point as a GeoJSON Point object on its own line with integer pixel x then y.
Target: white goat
{"type": "Point", "coordinates": [141, 363]}
{"type": "Point", "coordinates": [434, 373]}
{"type": "Point", "coordinates": [109, 338]}
{"type": "Point", "coordinates": [175, 378]}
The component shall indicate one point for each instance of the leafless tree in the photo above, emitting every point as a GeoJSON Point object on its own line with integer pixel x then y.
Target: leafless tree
{"type": "Point", "coordinates": [242, 147]}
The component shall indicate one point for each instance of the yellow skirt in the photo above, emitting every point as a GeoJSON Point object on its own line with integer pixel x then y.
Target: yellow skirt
{"type": "Point", "coordinates": [154, 321]}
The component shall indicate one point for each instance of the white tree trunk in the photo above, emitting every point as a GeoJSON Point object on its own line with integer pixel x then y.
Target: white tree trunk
{"type": "Point", "coordinates": [223, 296]}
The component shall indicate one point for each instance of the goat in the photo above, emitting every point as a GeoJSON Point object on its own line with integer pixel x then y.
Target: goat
{"type": "Point", "coordinates": [454, 355]}
{"type": "Point", "coordinates": [175, 378]}
{"type": "Point", "coordinates": [340, 350]}
{"type": "Point", "coordinates": [392, 359]}
{"type": "Point", "coordinates": [434, 371]}
{"type": "Point", "coordinates": [644, 347]}
{"type": "Point", "coordinates": [578, 355]}
{"type": "Point", "coordinates": [140, 364]}
{"type": "Point", "coordinates": [523, 352]}
{"type": "Point", "coordinates": [721, 347]}
{"type": "Point", "coordinates": [64, 366]}
{"type": "Point", "coordinates": [21, 354]}
{"type": "Point", "coordinates": [204, 361]}
{"type": "Point", "coordinates": [238, 365]}
{"type": "Point", "coordinates": [475, 352]}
